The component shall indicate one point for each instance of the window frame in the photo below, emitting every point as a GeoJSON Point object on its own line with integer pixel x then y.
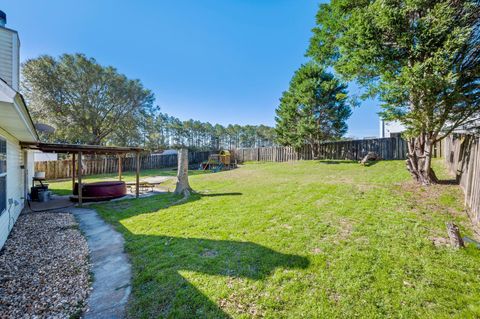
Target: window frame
{"type": "Point", "coordinates": [2, 139]}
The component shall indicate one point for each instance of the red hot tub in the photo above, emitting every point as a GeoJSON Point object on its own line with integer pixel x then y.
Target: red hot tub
{"type": "Point", "coordinates": [101, 190]}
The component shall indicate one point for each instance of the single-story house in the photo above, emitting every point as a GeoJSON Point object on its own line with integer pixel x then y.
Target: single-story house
{"type": "Point", "coordinates": [16, 164]}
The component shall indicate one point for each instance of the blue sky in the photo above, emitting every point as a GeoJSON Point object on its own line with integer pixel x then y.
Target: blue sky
{"type": "Point", "coordinates": [222, 61]}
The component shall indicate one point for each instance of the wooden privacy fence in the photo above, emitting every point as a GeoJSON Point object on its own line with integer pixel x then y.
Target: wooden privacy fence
{"type": "Point", "coordinates": [106, 165]}
{"type": "Point", "coordinates": [389, 148]}
{"type": "Point", "coordinates": [462, 155]}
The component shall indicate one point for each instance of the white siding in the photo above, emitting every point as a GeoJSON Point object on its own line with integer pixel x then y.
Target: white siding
{"type": "Point", "coordinates": [44, 157]}
{"type": "Point", "coordinates": [28, 156]}
{"type": "Point", "coordinates": [9, 57]}
{"type": "Point", "coordinates": [389, 127]}
{"type": "Point", "coordinates": [15, 185]}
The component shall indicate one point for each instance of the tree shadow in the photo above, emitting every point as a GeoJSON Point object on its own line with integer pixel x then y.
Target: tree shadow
{"type": "Point", "coordinates": [220, 194]}
{"type": "Point", "coordinates": [159, 288]}
{"type": "Point", "coordinates": [370, 163]}
{"type": "Point", "coordinates": [448, 182]}
{"type": "Point", "coordinates": [330, 162]}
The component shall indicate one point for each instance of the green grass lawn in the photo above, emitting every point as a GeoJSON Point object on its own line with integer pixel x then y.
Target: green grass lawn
{"type": "Point", "coordinates": [306, 239]}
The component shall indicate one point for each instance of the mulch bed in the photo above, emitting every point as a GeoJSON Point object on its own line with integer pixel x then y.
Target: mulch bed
{"type": "Point", "coordinates": [44, 268]}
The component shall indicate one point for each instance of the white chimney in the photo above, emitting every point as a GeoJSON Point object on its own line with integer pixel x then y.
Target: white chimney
{"type": "Point", "coordinates": [9, 54]}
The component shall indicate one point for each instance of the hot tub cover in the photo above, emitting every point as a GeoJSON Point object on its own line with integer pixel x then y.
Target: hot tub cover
{"type": "Point", "coordinates": [109, 189]}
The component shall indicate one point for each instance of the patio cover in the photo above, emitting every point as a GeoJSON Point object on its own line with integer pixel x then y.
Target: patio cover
{"type": "Point", "coordinates": [79, 150]}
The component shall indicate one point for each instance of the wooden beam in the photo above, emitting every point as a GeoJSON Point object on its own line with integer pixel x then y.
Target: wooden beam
{"type": "Point", "coordinates": [119, 167]}
{"type": "Point", "coordinates": [137, 190]}
{"type": "Point", "coordinates": [67, 148]}
{"type": "Point", "coordinates": [74, 171]}
{"type": "Point", "coordinates": [80, 179]}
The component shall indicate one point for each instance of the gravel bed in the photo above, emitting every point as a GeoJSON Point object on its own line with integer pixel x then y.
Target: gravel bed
{"type": "Point", "coordinates": [44, 268]}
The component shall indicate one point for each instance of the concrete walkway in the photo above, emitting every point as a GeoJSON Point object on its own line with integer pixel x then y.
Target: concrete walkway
{"type": "Point", "coordinates": [110, 266]}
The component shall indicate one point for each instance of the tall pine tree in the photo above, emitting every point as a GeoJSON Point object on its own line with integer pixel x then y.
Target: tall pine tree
{"type": "Point", "coordinates": [314, 109]}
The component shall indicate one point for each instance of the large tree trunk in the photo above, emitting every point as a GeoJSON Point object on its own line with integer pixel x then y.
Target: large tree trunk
{"type": "Point", "coordinates": [419, 159]}
{"type": "Point", "coordinates": [183, 187]}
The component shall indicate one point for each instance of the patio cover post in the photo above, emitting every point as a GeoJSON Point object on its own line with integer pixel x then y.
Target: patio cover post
{"type": "Point", "coordinates": [80, 179]}
{"type": "Point", "coordinates": [120, 167]}
{"type": "Point", "coordinates": [137, 182]}
{"type": "Point", "coordinates": [74, 170]}
{"type": "Point", "coordinates": [79, 150]}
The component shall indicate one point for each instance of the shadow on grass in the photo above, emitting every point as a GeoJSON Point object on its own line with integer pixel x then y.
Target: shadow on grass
{"type": "Point", "coordinates": [221, 194]}
{"type": "Point", "coordinates": [330, 162]}
{"type": "Point", "coordinates": [448, 182]}
{"type": "Point", "coordinates": [159, 288]}
{"type": "Point", "coordinates": [370, 163]}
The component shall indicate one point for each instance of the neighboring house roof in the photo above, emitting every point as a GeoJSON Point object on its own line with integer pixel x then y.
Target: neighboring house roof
{"type": "Point", "coordinates": [169, 152]}
{"type": "Point", "coordinates": [470, 126]}
{"type": "Point", "coordinates": [15, 119]}
{"type": "Point", "coordinates": [44, 157]}
{"type": "Point", "coordinates": [165, 152]}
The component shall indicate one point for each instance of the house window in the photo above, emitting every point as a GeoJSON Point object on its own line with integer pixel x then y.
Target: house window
{"type": "Point", "coordinates": [3, 175]}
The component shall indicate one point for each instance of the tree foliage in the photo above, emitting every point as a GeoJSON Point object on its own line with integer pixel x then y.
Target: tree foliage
{"type": "Point", "coordinates": [420, 57]}
{"type": "Point", "coordinates": [314, 108]}
{"type": "Point", "coordinates": [84, 101]}
{"type": "Point", "coordinates": [164, 131]}
{"type": "Point", "coordinates": [93, 104]}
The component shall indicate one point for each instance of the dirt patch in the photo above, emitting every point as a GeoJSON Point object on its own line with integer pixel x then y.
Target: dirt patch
{"type": "Point", "coordinates": [440, 241]}
{"type": "Point", "coordinates": [363, 187]}
{"type": "Point", "coordinates": [429, 197]}
{"type": "Point", "coordinates": [45, 270]}
{"type": "Point", "coordinates": [235, 302]}
{"type": "Point", "coordinates": [362, 240]}
{"type": "Point", "coordinates": [344, 229]}
{"type": "Point", "coordinates": [334, 296]}
{"type": "Point", "coordinates": [432, 199]}
{"type": "Point", "coordinates": [209, 253]}
{"type": "Point", "coordinates": [339, 230]}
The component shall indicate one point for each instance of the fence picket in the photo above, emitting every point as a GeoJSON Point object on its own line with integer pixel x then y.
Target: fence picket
{"type": "Point", "coordinates": [107, 165]}
{"type": "Point", "coordinates": [462, 157]}
{"type": "Point", "coordinates": [388, 148]}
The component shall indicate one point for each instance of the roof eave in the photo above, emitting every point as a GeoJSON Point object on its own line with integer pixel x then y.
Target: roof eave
{"type": "Point", "coordinates": [75, 148]}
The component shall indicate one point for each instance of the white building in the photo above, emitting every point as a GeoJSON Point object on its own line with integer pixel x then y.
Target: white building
{"type": "Point", "coordinates": [16, 165]}
{"type": "Point", "coordinates": [45, 157]}
{"type": "Point", "coordinates": [387, 128]}
{"type": "Point", "coordinates": [169, 152]}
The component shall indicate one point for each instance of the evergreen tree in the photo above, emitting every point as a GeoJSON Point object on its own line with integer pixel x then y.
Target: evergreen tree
{"type": "Point", "coordinates": [421, 58]}
{"type": "Point", "coordinates": [314, 108]}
